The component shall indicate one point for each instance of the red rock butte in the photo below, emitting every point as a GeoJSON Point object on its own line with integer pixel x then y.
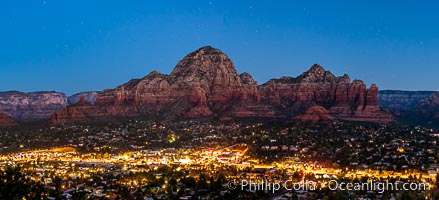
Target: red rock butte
{"type": "Point", "coordinates": [205, 84]}
{"type": "Point", "coordinates": [315, 114]}
{"type": "Point", "coordinates": [6, 121]}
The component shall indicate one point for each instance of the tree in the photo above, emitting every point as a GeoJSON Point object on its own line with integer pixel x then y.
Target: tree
{"type": "Point", "coordinates": [14, 185]}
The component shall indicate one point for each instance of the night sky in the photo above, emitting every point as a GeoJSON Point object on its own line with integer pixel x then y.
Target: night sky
{"type": "Point", "coordinates": [73, 46]}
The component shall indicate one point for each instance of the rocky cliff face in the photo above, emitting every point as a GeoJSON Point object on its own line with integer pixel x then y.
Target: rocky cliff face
{"type": "Point", "coordinates": [6, 121]}
{"type": "Point", "coordinates": [81, 111]}
{"type": "Point", "coordinates": [90, 97]}
{"type": "Point", "coordinates": [31, 106]}
{"type": "Point", "coordinates": [412, 107]}
{"type": "Point", "coordinates": [430, 102]}
{"type": "Point", "coordinates": [344, 99]}
{"type": "Point", "coordinates": [429, 109]}
{"type": "Point", "coordinates": [38, 105]}
{"type": "Point", "coordinates": [396, 100]}
{"type": "Point", "coordinates": [205, 84]}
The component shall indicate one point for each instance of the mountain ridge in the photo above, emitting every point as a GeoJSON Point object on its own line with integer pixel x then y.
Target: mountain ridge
{"type": "Point", "coordinates": [38, 105]}
{"type": "Point", "coordinates": [211, 87]}
{"type": "Point", "coordinates": [206, 84]}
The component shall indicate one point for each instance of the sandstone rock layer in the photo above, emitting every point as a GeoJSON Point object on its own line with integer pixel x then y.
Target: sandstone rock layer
{"type": "Point", "coordinates": [90, 97]}
{"type": "Point", "coordinates": [31, 106]}
{"type": "Point", "coordinates": [205, 84]}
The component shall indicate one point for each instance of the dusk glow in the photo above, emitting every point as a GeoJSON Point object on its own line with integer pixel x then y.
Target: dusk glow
{"type": "Point", "coordinates": [73, 46]}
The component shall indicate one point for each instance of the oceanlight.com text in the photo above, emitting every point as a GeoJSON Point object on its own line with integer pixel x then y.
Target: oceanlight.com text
{"type": "Point", "coordinates": [274, 186]}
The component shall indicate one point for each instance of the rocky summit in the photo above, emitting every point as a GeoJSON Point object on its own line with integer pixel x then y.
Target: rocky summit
{"type": "Point", "coordinates": [343, 99]}
{"type": "Point", "coordinates": [205, 84]}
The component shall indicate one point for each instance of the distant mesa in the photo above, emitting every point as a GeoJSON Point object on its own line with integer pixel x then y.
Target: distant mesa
{"type": "Point", "coordinates": [40, 105]}
{"type": "Point", "coordinates": [428, 109]}
{"type": "Point", "coordinates": [397, 100]}
{"type": "Point", "coordinates": [82, 102]}
{"type": "Point", "coordinates": [431, 102]}
{"type": "Point", "coordinates": [31, 106]}
{"type": "Point", "coordinates": [205, 84]}
{"type": "Point", "coordinates": [412, 107]}
{"type": "Point", "coordinates": [90, 97]}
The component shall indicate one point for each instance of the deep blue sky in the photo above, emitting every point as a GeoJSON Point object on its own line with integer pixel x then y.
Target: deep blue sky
{"type": "Point", "coordinates": [74, 46]}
